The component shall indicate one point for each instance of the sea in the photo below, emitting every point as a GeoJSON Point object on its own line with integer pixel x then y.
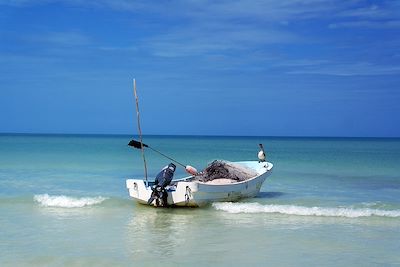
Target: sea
{"type": "Point", "coordinates": [328, 202]}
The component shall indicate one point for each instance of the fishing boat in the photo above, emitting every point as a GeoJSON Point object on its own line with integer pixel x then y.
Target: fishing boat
{"type": "Point", "coordinates": [220, 181]}
{"type": "Point", "coordinates": [191, 192]}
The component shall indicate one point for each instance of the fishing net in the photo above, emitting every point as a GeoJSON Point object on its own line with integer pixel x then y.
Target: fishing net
{"type": "Point", "coordinates": [220, 169]}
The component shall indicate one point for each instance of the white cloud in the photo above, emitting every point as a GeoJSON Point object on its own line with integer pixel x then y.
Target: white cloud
{"type": "Point", "coordinates": [67, 38]}
{"type": "Point", "coordinates": [220, 29]}
{"type": "Point", "coordinates": [372, 11]}
{"type": "Point", "coordinates": [200, 39]}
{"type": "Point", "coordinates": [382, 15]}
{"type": "Point", "coordinates": [367, 24]}
{"type": "Point", "coordinates": [349, 69]}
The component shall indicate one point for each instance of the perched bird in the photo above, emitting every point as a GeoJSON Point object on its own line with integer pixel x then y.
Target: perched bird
{"type": "Point", "coordinates": [261, 154]}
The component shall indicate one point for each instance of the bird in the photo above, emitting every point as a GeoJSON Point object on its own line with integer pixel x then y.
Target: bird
{"type": "Point", "coordinates": [261, 154]}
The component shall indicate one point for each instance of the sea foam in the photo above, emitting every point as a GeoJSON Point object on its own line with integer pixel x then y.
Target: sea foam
{"type": "Point", "coordinates": [304, 211]}
{"type": "Point", "coordinates": [67, 202]}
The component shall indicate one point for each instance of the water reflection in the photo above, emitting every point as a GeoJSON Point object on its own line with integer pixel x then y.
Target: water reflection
{"type": "Point", "coordinates": [160, 232]}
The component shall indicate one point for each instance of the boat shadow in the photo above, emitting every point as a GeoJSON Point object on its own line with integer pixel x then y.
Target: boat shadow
{"type": "Point", "coordinates": [269, 194]}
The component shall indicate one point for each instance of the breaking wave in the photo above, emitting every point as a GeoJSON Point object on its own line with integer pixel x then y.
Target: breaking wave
{"type": "Point", "coordinates": [67, 202]}
{"type": "Point", "coordinates": [304, 211]}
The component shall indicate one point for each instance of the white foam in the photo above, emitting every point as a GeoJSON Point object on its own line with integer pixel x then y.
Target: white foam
{"type": "Point", "coordinates": [303, 211]}
{"type": "Point", "coordinates": [67, 202]}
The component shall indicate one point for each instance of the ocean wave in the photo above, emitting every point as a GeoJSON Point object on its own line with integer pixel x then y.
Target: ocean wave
{"type": "Point", "coordinates": [67, 202]}
{"type": "Point", "coordinates": [304, 211]}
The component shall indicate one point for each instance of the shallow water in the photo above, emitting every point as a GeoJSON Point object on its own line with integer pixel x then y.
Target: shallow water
{"type": "Point", "coordinates": [329, 202]}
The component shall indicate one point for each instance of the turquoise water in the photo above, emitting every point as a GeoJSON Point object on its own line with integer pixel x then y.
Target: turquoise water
{"type": "Point", "coordinates": [329, 202]}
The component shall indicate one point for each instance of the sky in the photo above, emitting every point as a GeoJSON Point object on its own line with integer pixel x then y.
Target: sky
{"type": "Point", "coordinates": [237, 67]}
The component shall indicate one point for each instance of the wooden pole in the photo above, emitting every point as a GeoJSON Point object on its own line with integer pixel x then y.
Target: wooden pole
{"type": "Point", "coordinates": [140, 131]}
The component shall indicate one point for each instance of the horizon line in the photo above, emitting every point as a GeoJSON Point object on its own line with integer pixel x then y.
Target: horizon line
{"type": "Point", "coordinates": [198, 135]}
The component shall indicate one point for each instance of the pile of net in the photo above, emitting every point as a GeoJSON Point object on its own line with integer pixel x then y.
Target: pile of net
{"type": "Point", "coordinates": [220, 169]}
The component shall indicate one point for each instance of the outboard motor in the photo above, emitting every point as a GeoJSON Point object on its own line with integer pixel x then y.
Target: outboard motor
{"type": "Point", "coordinates": [163, 179]}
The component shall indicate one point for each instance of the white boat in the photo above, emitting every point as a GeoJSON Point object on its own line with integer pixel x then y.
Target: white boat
{"type": "Point", "coordinates": [220, 181]}
{"type": "Point", "coordinates": [194, 193]}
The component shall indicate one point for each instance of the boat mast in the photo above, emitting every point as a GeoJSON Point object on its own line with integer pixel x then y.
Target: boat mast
{"type": "Point", "coordinates": [140, 131]}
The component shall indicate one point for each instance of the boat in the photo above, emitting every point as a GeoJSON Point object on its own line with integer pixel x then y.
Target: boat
{"type": "Point", "coordinates": [189, 192]}
{"type": "Point", "coordinates": [220, 181]}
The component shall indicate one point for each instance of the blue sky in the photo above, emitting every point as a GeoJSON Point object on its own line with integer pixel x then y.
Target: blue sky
{"type": "Point", "coordinates": [238, 67]}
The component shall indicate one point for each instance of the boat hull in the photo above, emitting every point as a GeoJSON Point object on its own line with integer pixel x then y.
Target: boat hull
{"type": "Point", "coordinates": [194, 193]}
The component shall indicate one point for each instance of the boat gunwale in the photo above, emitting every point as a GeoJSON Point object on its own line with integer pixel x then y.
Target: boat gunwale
{"type": "Point", "coordinates": [265, 170]}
